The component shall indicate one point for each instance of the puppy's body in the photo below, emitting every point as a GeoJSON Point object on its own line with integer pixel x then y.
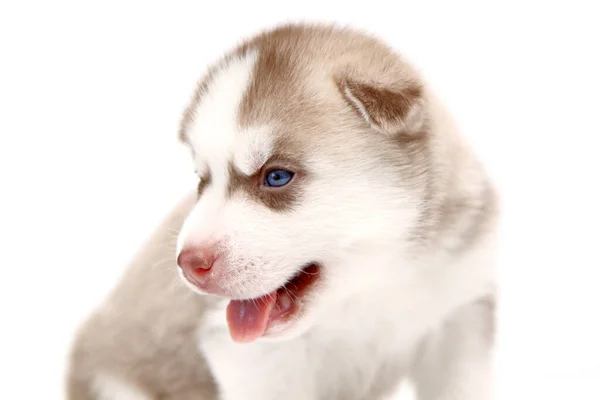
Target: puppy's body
{"type": "Point", "coordinates": [382, 205]}
{"type": "Point", "coordinates": [143, 338]}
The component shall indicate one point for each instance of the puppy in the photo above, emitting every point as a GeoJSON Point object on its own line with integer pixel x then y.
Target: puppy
{"type": "Point", "coordinates": [341, 240]}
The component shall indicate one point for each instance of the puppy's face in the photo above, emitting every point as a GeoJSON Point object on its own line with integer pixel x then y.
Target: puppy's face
{"type": "Point", "coordinates": [301, 201]}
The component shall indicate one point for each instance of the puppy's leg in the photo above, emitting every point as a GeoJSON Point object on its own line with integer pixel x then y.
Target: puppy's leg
{"type": "Point", "coordinates": [109, 388]}
{"type": "Point", "coordinates": [455, 361]}
{"type": "Point", "coordinates": [103, 387]}
{"type": "Point", "coordinates": [78, 389]}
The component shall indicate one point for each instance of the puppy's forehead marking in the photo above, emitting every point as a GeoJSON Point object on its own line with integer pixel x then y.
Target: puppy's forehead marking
{"type": "Point", "coordinates": [253, 149]}
{"type": "Point", "coordinates": [215, 132]}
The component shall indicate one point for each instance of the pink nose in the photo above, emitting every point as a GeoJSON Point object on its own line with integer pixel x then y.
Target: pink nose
{"type": "Point", "coordinates": [196, 260]}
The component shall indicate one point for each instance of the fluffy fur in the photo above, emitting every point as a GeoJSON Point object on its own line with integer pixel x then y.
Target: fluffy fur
{"type": "Point", "coordinates": [387, 199]}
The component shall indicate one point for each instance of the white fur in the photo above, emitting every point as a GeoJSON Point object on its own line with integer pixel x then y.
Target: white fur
{"type": "Point", "coordinates": [107, 387]}
{"type": "Point", "coordinates": [252, 150]}
{"type": "Point", "coordinates": [215, 130]}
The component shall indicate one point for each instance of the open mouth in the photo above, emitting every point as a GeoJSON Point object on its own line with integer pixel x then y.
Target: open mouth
{"type": "Point", "coordinates": [250, 319]}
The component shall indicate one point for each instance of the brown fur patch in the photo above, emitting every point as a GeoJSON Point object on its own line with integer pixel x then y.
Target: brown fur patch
{"type": "Point", "coordinates": [273, 80]}
{"type": "Point", "coordinates": [275, 198]}
{"type": "Point", "coordinates": [205, 180]}
{"type": "Point", "coordinates": [386, 107]}
{"type": "Point", "coordinates": [297, 67]}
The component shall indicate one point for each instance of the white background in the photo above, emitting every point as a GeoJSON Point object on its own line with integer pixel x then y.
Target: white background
{"type": "Point", "coordinates": [90, 100]}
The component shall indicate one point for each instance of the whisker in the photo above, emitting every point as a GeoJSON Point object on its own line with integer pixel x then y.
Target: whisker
{"type": "Point", "coordinates": [308, 273]}
{"type": "Point", "coordinates": [292, 296]}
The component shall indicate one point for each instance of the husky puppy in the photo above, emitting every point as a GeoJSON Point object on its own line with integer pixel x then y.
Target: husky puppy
{"type": "Point", "coordinates": [341, 240]}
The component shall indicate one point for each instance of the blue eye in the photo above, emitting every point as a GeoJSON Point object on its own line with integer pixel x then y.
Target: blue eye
{"type": "Point", "coordinates": [278, 177]}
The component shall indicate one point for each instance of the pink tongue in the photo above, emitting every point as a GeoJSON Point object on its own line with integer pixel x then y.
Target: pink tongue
{"type": "Point", "coordinates": [247, 319]}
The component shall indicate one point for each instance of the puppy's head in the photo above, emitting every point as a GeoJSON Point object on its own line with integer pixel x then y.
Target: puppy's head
{"type": "Point", "coordinates": [309, 144]}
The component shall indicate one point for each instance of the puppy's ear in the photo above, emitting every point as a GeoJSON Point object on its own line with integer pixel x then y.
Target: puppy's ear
{"type": "Point", "coordinates": [391, 110]}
